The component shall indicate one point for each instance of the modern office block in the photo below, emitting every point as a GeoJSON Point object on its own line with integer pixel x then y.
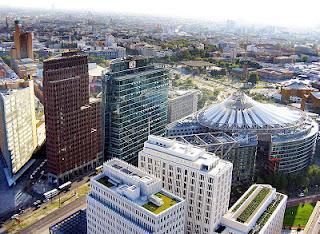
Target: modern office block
{"type": "Point", "coordinates": [201, 178]}
{"type": "Point", "coordinates": [135, 104]}
{"type": "Point", "coordinates": [124, 199]}
{"type": "Point", "coordinates": [181, 104]}
{"type": "Point", "coordinates": [242, 155]}
{"type": "Point", "coordinates": [18, 133]}
{"type": "Point", "coordinates": [73, 121]}
{"type": "Point", "coordinates": [259, 210]}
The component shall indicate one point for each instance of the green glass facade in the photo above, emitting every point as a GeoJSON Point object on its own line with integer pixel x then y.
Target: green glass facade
{"type": "Point", "coordinates": [135, 103]}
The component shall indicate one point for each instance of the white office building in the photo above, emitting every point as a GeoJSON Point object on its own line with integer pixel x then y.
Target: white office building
{"type": "Point", "coordinates": [125, 199]}
{"type": "Point", "coordinates": [18, 133]}
{"type": "Point", "coordinates": [259, 210]}
{"type": "Point", "coordinates": [199, 177]}
{"type": "Point", "coordinates": [182, 103]}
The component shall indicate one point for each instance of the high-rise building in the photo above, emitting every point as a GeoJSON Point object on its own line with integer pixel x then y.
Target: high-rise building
{"type": "Point", "coordinates": [182, 103]}
{"type": "Point", "coordinates": [124, 199]}
{"type": "Point", "coordinates": [73, 121]}
{"type": "Point", "coordinates": [260, 210]}
{"type": "Point", "coordinates": [23, 47]}
{"type": "Point", "coordinates": [18, 133]}
{"type": "Point", "coordinates": [135, 101]}
{"type": "Point", "coordinates": [199, 177]}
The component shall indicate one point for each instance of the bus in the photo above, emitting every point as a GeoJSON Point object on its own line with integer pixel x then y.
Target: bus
{"type": "Point", "coordinates": [99, 169]}
{"type": "Point", "coordinates": [51, 193]}
{"type": "Point", "coordinates": [65, 186]}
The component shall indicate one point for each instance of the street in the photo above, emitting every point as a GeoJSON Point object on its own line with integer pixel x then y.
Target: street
{"type": "Point", "coordinates": [42, 225]}
{"type": "Point", "coordinates": [308, 199]}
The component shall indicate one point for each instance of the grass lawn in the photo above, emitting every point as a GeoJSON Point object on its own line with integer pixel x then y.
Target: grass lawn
{"type": "Point", "coordinates": [298, 216]}
{"type": "Point", "coordinates": [167, 203]}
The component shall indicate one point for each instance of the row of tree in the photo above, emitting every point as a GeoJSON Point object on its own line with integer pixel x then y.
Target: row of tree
{"type": "Point", "coordinates": [309, 180]}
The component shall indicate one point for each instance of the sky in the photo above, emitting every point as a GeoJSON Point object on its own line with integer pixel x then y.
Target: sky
{"type": "Point", "coordinates": [271, 12]}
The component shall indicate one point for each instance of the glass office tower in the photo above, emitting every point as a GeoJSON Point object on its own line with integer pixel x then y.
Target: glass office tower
{"type": "Point", "coordinates": [135, 96]}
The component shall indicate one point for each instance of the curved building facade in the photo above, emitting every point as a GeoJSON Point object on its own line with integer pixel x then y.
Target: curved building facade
{"type": "Point", "coordinates": [284, 138]}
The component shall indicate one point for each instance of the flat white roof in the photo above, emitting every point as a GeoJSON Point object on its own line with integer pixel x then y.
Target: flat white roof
{"type": "Point", "coordinates": [195, 157]}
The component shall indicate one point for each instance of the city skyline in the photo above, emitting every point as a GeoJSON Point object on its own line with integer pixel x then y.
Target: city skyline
{"type": "Point", "coordinates": [156, 117]}
{"type": "Point", "coordinates": [277, 13]}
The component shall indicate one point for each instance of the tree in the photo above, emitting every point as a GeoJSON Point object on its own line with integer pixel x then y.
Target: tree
{"type": "Point", "coordinates": [280, 182]}
{"type": "Point", "coordinates": [303, 181]}
{"type": "Point", "coordinates": [253, 77]}
{"type": "Point", "coordinates": [313, 173]}
{"type": "Point", "coordinates": [185, 55]}
{"type": "Point", "coordinates": [6, 59]}
{"type": "Point", "coordinates": [304, 58]}
{"type": "Point", "coordinates": [177, 76]}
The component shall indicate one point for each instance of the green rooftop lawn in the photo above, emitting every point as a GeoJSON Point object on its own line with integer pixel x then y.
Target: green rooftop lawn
{"type": "Point", "coordinates": [167, 203]}
{"type": "Point", "coordinates": [253, 205]}
{"type": "Point", "coordinates": [244, 199]}
{"type": "Point", "coordinates": [266, 215]}
{"type": "Point", "coordinates": [104, 180]}
{"type": "Point", "coordinates": [298, 216]}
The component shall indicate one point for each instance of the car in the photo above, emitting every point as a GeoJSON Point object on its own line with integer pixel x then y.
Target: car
{"type": "Point", "coordinates": [37, 203]}
{"type": "Point", "coordinates": [15, 216]}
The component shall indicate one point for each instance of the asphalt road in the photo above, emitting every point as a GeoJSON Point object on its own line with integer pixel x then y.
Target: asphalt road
{"type": "Point", "coordinates": [42, 226]}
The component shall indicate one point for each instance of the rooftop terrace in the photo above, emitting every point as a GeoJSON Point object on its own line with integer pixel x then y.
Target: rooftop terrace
{"type": "Point", "coordinates": [137, 186]}
{"type": "Point", "coordinates": [253, 210]}
{"type": "Point", "coordinates": [167, 203]}
{"type": "Point", "coordinates": [252, 207]}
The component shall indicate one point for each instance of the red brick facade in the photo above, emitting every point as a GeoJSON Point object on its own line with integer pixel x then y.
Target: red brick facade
{"type": "Point", "coordinates": [73, 123]}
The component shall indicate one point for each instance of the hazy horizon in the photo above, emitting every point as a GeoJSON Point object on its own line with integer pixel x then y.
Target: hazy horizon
{"type": "Point", "coordinates": [273, 12]}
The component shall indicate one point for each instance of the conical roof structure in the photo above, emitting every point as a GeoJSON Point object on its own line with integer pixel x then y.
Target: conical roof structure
{"type": "Point", "coordinates": [239, 112]}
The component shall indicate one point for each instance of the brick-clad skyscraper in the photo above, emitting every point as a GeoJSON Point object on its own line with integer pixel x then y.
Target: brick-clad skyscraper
{"type": "Point", "coordinates": [22, 43]}
{"type": "Point", "coordinates": [73, 122]}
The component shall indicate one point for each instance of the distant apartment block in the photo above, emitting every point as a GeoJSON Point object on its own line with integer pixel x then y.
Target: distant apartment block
{"type": "Point", "coordinates": [109, 53]}
{"type": "Point", "coordinates": [275, 74]}
{"type": "Point", "coordinates": [73, 120]}
{"type": "Point", "coordinates": [135, 96]}
{"type": "Point", "coordinates": [199, 177]}
{"type": "Point", "coordinates": [25, 67]}
{"type": "Point", "coordinates": [124, 199]}
{"type": "Point", "coordinates": [259, 210]}
{"type": "Point", "coordinates": [96, 73]}
{"type": "Point", "coordinates": [181, 104]}
{"type": "Point", "coordinates": [283, 59]}
{"type": "Point", "coordinates": [146, 50]}
{"type": "Point", "coordinates": [296, 88]}
{"type": "Point", "coordinates": [18, 132]}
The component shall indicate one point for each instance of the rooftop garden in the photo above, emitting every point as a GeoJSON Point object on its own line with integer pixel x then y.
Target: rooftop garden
{"type": "Point", "coordinates": [167, 203]}
{"type": "Point", "coordinates": [253, 205]}
{"type": "Point", "coordinates": [105, 181]}
{"type": "Point", "coordinates": [243, 199]}
{"type": "Point", "coordinates": [266, 215]}
{"type": "Point", "coordinates": [298, 216]}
